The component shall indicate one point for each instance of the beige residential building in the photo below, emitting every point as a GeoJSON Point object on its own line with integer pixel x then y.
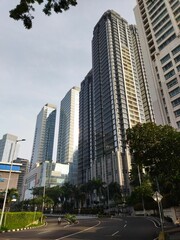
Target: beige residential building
{"type": "Point", "coordinates": [158, 23]}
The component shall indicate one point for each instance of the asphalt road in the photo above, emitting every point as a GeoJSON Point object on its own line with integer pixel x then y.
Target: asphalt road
{"type": "Point", "coordinates": [130, 228]}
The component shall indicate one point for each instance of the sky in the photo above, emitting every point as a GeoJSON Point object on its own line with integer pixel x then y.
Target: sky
{"type": "Point", "coordinates": [41, 65]}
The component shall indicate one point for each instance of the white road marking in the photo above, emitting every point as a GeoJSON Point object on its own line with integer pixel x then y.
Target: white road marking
{"type": "Point", "coordinates": [78, 232]}
{"type": "Point", "coordinates": [154, 222]}
{"type": "Point", "coordinates": [114, 233]}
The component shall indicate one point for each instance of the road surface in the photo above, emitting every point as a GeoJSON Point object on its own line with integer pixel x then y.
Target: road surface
{"type": "Point", "coordinates": [129, 228]}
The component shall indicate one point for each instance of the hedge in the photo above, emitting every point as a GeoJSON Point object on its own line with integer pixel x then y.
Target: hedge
{"type": "Point", "coordinates": [16, 220]}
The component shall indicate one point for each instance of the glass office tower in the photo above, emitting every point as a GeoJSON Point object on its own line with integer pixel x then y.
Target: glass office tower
{"type": "Point", "coordinates": [68, 127]}
{"type": "Point", "coordinates": [67, 149]}
{"type": "Point", "coordinates": [44, 135]}
{"type": "Point", "coordinates": [8, 148]}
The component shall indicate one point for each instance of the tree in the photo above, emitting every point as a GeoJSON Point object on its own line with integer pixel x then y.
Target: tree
{"type": "Point", "coordinates": [12, 194]}
{"type": "Point", "coordinates": [23, 11]}
{"type": "Point", "coordinates": [156, 150]}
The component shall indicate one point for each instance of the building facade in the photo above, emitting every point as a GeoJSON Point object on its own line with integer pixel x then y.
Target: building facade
{"type": "Point", "coordinates": [86, 134]}
{"type": "Point", "coordinates": [158, 23]}
{"type": "Point", "coordinates": [68, 127]}
{"type": "Point", "coordinates": [44, 135]}
{"type": "Point", "coordinates": [68, 136]}
{"type": "Point", "coordinates": [46, 174]}
{"type": "Point", "coordinates": [8, 148]}
{"type": "Point", "coordinates": [5, 169]}
{"type": "Point", "coordinates": [21, 180]}
{"type": "Point", "coordinates": [120, 98]}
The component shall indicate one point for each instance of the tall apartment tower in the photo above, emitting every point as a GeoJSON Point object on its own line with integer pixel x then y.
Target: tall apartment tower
{"type": "Point", "coordinates": [8, 148]}
{"type": "Point", "coordinates": [68, 127]}
{"type": "Point", "coordinates": [158, 23]}
{"type": "Point", "coordinates": [44, 135]}
{"type": "Point", "coordinates": [120, 96]}
{"type": "Point", "coordinates": [86, 130]}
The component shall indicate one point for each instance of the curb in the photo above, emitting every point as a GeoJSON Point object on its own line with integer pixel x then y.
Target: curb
{"type": "Point", "coordinates": [21, 229]}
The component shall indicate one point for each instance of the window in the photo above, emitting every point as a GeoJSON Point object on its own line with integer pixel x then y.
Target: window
{"type": "Point", "coordinates": [165, 58]}
{"type": "Point", "coordinates": [176, 102]}
{"type": "Point", "coordinates": [178, 68]}
{"type": "Point", "coordinates": [176, 50]}
{"type": "Point", "coordinates": [159, 16]}
{"type": "Point", "coordinates": [163, 29]}
{"type": "Point", "coordinates": [170, 39]}
{"type": "Point", "coordinates": [177, 59]}
{"type": "Point", "coordinates": [161, 23]}
{"type": "Point", "coordinates": [177, 12]}
{"type": "Point", "coordinates": [177, 113]}
{"type": "Point", "coordinates": [175, 5]}
{"type": "Point", "coordinates": [167, 33]}
{"type": "Point", "coordinates": [172, 83]}
{"type": "Point", "coordinates": [171, 1]}
{"type": "Point", "coordinates": [167, 66]}
{"type": "Point", "coordinates": [174, 92]}
{"type": "Point", "coordinates": [169, 74]}
{"type": "Point", "coordinates": [156, 12]}
{"type": "Point", "coordinates": [178, 124]}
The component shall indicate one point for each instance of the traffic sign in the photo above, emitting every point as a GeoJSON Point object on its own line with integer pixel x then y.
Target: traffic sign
{"type": "Point", "coordinates": [157, 196]}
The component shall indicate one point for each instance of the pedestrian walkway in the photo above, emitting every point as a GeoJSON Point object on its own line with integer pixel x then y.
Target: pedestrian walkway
{"type": "Point", "coordinates": [175, 237]}
{"type": "Point", "coordinates": [174, 233]}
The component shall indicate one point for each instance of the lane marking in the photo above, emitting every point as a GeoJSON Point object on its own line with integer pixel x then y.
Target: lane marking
{"type": "Point", "coordinates": [114, 233]}
{"type": "Point", "coordinates": [155, 222]}
{"type": "Point", "coordinates": [73, 234]}
{"type": "Point", "coordinates": [125, 225]}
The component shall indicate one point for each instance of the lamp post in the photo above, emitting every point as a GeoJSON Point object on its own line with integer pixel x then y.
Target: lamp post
{"type": "Point", "coordinates": [140, 183]}
{"type": "Point", "coordinates": [43, 200]}
{"type": "Point", "coordinates": [9, 178]}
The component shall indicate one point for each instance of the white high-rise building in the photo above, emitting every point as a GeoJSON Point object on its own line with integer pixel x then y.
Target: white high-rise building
{"type": "Point", "coordinates": [8, 148]}
{"type": "Point", "coordinates": [158, 23]}
{"type": "Point", "coordinates": [68, 127]}
{"type": "Point", "coordinates": [44, 135]}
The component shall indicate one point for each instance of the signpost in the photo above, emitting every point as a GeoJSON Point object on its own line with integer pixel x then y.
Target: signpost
{"type": "Point", "coordinates": [158, 197]}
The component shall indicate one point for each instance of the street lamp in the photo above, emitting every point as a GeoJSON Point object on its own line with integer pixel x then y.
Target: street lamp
{"type": "Point", "coordinates": [7, 186]}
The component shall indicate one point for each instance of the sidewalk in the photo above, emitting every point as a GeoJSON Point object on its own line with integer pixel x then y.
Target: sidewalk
{"type": "Point", "coordinates": [174, 233]}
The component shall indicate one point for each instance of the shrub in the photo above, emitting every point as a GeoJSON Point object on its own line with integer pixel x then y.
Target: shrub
{"type": "Point", "coordinates": [70, 218]}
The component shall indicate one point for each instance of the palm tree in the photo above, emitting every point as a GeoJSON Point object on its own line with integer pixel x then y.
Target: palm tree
{"type": "Point", "coordinates": [11, 196]}
{"type": "Point", "coordinates": [115, 193]}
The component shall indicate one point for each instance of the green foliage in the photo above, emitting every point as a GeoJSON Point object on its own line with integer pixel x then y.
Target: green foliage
{"type": "Point", "coordinates": [15, 220]}
{"type": "Point", "coordinates": [157, 148]}
{"type": "Point", "coordinates": [70, 218]}
{"type": "Point", "coordinates": [71, 198]}
{"type": "Point", "coordinates": [115, 193]}
{"type": "Point", "coordinates": [156, 152]}
{"type": "Point", "coordinates": [23, 10]}
{"type": "Point", "coordinates": [12, 193]}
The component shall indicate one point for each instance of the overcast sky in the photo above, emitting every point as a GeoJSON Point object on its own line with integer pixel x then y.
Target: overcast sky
{"type": "Point", "coordinates": [40, 65]}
